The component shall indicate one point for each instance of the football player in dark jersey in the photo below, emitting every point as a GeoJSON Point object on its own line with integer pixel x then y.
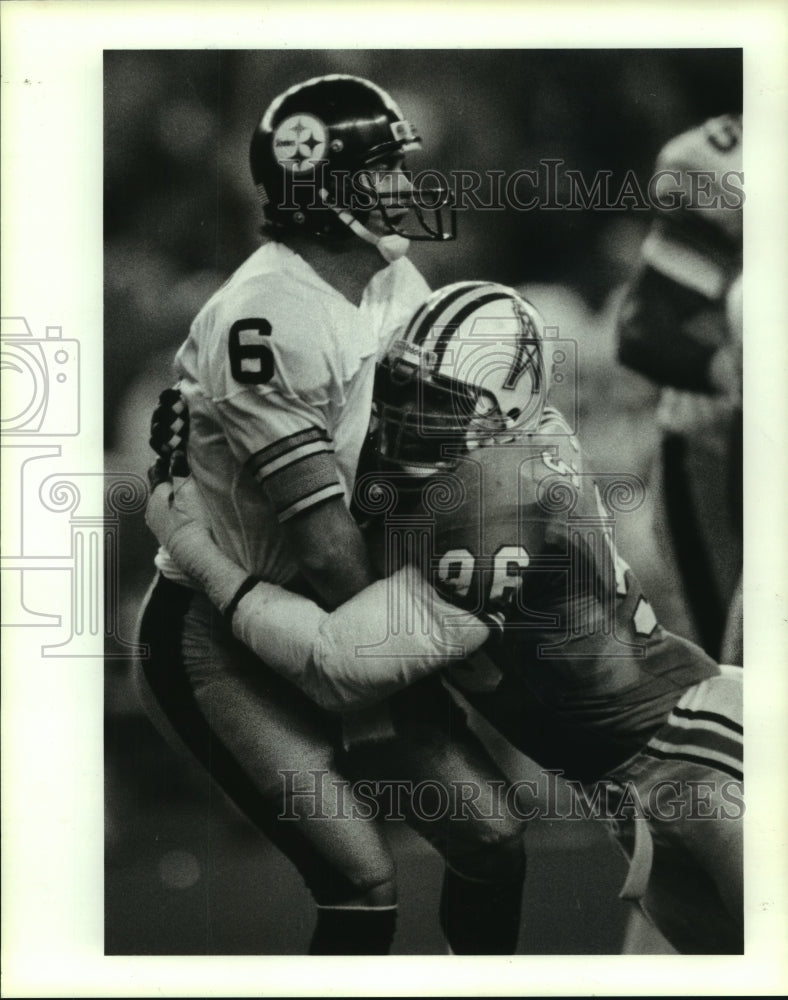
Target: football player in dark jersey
{"type": "Point", "coordinates": [482, 487]}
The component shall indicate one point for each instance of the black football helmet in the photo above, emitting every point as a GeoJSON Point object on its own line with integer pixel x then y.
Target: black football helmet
{"type": "Point", "coordinates": [312, 155]}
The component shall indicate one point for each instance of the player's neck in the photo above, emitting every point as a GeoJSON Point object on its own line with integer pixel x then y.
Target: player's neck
{"type": "Point", "coordinates": [348, 266]}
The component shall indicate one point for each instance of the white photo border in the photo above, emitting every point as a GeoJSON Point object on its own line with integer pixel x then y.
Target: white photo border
{"type": "Point", "coordinates": [52, 274]}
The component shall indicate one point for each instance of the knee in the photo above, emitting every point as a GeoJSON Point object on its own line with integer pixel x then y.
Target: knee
{"type": "Point", "coordinates": [380, 894]}
{"type": "Point", "coordinates": [497, 855]}
{"type": "Point", "coordinates": [485, 842]}
{"type": "Point", "coordinates": [367, 878]}
{"type": "Point", "coordinates": [369, 888]}
{"type": "Point", "coordinates": [373, 880]}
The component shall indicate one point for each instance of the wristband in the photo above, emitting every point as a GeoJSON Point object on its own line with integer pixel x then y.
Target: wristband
{"type": "Point", "coordinates": [249, 584]}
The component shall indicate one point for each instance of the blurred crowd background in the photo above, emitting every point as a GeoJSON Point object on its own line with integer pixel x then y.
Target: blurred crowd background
{"type": "Point", "coordinates": [181, 215]}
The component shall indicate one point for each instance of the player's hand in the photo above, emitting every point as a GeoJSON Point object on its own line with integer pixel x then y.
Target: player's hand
{"type": "Point", "coordinates": [169, 438]}
{"type": "Point", "coordinates": [167, 513]}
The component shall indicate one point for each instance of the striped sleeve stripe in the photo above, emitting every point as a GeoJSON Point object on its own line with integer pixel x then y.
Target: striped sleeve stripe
{"type": "Point", "coordinates": [708, 723]}
{"type": "Point", "coordinates": [702, 738]}
{"type": "Point", "coordinates": [692, 751]}
{"type": "Point", "coordinates": [681, 260]}
{"type": "Point", "coordinates": [548, 413]}
{"type": "Point", "coordinates": [312, 500]}
{"type": "Point", "coordinates": [292, 458]}
{"type": "Point", "coordinates": [302, 478]}
{"type": "Point", "coordinates": [284, 446]}
{"type": "Point", "coordinates": [721, 720]}
{"type": "Point", "coordinates": [694, 758]}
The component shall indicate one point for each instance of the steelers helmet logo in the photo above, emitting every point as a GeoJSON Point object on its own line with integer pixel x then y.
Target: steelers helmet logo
{"type": "Point", "coordinates": [300, 142]}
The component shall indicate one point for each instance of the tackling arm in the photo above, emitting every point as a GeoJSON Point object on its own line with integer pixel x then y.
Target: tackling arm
{"type": "Point", "coordinates": [349, 658]}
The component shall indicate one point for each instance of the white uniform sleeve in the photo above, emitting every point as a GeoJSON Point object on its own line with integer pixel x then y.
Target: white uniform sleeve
{"type": "Point", "coordinates": [358, 654]}
{"type": "Point", "coordinates": [269, 368]}
{"type": "Point", "coordinates": [285, 445]}
{"type": "Point", "coordinates": [409, 291]}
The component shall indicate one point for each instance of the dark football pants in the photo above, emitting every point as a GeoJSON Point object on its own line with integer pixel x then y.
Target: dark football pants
{"type": "Point", "coordinates": [278, 757]}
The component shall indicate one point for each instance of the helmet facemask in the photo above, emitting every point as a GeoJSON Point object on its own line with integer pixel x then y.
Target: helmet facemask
{"type": "Point", "coordinates": [424, 427]}
{"type": "Point", "coordinates": [467, 372]}
{"type": "Point", "coordinates": [429, 202]}
{"type": "Point", "coordinates": [402, 212]}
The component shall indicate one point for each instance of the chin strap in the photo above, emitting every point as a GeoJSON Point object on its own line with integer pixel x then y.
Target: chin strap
{"type": "Point", "coordinates": [391, 247]}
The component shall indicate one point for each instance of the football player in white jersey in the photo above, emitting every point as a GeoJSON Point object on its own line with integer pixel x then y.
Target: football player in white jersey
{"type": "Point", "coordinates": [577, 673]}
{"type": "Point", "coordinates": [278, 372]}
{"type": "Point", "coordinates": [680, 326]}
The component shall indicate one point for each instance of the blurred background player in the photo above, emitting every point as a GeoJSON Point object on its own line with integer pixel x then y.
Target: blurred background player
{"type": "Point", "coordinates": [680, 326]}
{"type": "Point", "coordinates": [277, 373]}
{"type": "Point", "coordinates": [578, 674]}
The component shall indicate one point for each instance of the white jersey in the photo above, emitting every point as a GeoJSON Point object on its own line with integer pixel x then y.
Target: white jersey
{"type": "Point", "coordinates": [277, 373]}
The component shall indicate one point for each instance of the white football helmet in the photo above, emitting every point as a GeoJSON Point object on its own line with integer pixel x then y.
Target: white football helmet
{"type": "Point", "coordinates": [468, 369]}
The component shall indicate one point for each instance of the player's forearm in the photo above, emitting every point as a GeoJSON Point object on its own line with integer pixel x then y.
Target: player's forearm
{"type": "Point", "coordinates": [353, 657]}
{"type": "Point", "coordinates": [331, 554]}
{"type": "Point", "coordinates": [361, 653]}
{"type": "Point", "coordinates": [395, 632]}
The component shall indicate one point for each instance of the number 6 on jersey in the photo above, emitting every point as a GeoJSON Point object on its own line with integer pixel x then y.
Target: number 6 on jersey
{"type": "Point", "coordinates": [251, 359]}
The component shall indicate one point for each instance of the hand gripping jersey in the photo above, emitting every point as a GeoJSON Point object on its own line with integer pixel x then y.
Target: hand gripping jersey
{"type": "Point", "coordinates": [277, 373]}
{"type": "Point", "coordinates": [583, 674]}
